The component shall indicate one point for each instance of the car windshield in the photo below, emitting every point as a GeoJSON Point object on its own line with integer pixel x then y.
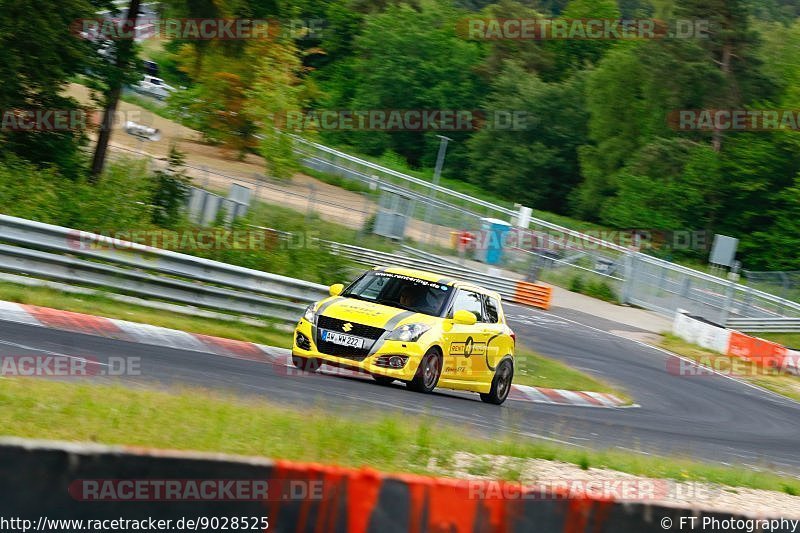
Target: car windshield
{"type": "Point", "coordinates": [404, 292]}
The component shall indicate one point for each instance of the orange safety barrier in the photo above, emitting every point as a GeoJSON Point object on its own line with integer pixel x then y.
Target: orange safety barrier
{"type": "Point", "coordinates": [293, 497]}
{"type": "Point", "coordinates": [533, 294]}
{"type": "Point", "coordinates": [760, 351]}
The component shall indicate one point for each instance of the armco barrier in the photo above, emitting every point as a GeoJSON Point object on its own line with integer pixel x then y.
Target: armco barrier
{"type": "Point", "coordinates": [700, 332]}
{"type": "Point", "coordinates": [65, 255]}
{"type": "Point", "coordinates": [734, 343]}
{"type": "Point", "coordinates": [58, 481]}
{"type": "Point", "coordinates": [533, 294]}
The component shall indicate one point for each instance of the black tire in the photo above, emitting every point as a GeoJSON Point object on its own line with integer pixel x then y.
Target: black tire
{"type": "Point", "coordinates": [428, 373]}
{"type": "Point", "coordinates": [501, 383]}
{"type": "Point", "coordinates": [382, 380]}
{"type": "Point", "coordinates": [306, 364]}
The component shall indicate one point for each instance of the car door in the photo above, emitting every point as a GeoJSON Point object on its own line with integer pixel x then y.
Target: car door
{"type": "Point", "coordinates": [465, 345]}
{"type": "Point", "coordinates": [494, 328]}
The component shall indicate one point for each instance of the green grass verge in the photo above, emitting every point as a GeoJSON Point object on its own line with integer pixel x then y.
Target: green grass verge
{"type": "Point", "coordinates": [539, 371]}
{"type": "Point", "coordinates": [769, 379]}
{"type": "Point", "coordinates": [790, 340]}
{"type": "Point", "coordinates": [583, 282]}
{"type": "Point", "coordinates": [101, 305]}
{"type": "Point", "coordinates": [194, 419]}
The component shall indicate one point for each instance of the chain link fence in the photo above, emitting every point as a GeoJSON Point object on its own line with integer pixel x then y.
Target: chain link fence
{"type": "Point", "coordinates": [564, 257]}
{"type": "Point", "coordinates": [784, 284]}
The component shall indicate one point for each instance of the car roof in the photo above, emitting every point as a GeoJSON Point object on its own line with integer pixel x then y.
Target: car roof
{"type": "Point", "coordinates": [437, 278]}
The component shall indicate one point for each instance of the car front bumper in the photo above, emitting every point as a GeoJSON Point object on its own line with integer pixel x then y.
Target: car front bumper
{"type": "Point", "coordinates": [413, 351]}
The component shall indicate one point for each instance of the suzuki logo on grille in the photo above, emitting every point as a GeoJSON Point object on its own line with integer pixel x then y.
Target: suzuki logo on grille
{"type": "Point", "coordinates": [347, 327]}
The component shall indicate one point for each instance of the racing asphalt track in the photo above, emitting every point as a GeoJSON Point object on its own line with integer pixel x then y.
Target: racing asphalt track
{"type": "Point", "coordinates": [709, 417]}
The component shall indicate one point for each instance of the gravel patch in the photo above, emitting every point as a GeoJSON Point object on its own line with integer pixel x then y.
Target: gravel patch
{"type": "Point", "coordinates": [549, 479]}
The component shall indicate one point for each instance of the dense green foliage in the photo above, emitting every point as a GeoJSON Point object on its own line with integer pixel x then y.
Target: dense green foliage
{"type": "Point", "coordinates": [596, 142]}
{"type": "Point", "coordinates": [130, 201]}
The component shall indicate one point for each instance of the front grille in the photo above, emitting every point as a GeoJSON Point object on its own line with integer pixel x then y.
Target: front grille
{"type": "Point", "coordinates": [359, 330]}
{"type": "Point", "coordinates": [347, 352]}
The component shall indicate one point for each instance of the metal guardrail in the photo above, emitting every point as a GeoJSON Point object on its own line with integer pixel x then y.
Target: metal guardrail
{"type": "Point", "coordinates": [56, 253]}
{"type": "Point", "coordinates": [765, 325]}
{"type": "Point", "coordinates": [61, 254]}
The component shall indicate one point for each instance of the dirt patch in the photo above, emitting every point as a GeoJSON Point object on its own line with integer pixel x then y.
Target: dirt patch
{"type": "Point", "coordinates": [216, 168]}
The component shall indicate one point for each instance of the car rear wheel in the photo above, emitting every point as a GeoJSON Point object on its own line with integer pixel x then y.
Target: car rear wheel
{"type": "Point", "coordinates": [306, 364]}
{"type": "Point", "coordinates": [382, 380]}
{"type": "Point", "coordinates": [501, 384]}
{"type": "Point", "coordinates": [428, 372]}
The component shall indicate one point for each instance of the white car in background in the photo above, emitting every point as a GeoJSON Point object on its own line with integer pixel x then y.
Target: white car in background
{"type": "Point", "coordinates": [153, 86]}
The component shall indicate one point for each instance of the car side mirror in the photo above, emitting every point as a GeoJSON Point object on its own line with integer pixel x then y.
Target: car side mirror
{"type": "Point", "coordinates": [464, 317]}
{"type": "Point", "coordinates": [336, 289]}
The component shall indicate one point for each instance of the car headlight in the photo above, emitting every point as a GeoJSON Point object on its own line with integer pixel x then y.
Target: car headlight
{"type": "Point", "coordinates": [310, 314]}
{"type": "Point", "coordinates": [408, 333]}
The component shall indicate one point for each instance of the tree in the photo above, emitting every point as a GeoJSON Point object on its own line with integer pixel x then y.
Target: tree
{"type": "Point", "coordinates": [275, 92]}
{"type": "Point", "coordinates": [409, 58]}
{"type": "Point", "coordinates": [670, 184]}
{"type": "Point", "coordinates": [170, 190]}
{"type": "Point", "coordinates": [39, 51]}
{"type": "Point", "coordinates": [776, 247]}
{"type": "Point", "coordinates": [729, 44]}
{"type": "Point", "coordinates": [123, 54]}
{"type": "Point", "coordinates": [537, 165]}
{"type": "Point", "coordinates": [575, 54]}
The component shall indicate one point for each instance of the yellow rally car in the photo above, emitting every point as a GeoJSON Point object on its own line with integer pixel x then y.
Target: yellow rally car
{"type": "Point", "coordinates": [412, 326]}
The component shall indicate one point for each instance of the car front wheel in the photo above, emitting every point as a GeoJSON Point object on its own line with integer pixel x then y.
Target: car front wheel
{"type": "Point", "coordinates": [428, 372]}
{"type": "Point", "coordinates": [501, 384]}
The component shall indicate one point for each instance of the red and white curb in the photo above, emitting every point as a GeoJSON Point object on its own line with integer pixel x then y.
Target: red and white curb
{"type": "Point", "coordinates": [158, 336]}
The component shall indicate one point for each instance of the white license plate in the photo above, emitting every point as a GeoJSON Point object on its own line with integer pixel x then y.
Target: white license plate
{"type": "Point", "coordinates": [342, 339]}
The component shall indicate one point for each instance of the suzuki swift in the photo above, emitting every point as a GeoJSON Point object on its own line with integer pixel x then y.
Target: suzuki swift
{"type": "Point", "coordinates": [413, 326]}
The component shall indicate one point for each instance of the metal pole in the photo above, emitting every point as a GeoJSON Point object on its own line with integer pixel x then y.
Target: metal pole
{"type": "Point", "coordinates": [437, 173]}
{"type": "Point", "coordinates": [630, 274]}
{"type": "Point", "coordinates": [733, 276]}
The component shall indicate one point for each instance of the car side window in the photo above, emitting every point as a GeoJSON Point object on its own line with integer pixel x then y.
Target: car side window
{"type": "Point", "coordinates": [468, 301]}
{"type": "Point", "coordinates": [492, 313]}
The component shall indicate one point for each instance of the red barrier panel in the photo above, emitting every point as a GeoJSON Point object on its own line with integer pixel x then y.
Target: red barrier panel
{"type": "Point", "coordinates": [366, 500]}
{"type": "Point", "coordinates": [762, 352]}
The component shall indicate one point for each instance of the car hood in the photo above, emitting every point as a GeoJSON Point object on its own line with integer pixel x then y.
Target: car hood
{"type": "Point", "coordinates": [368, 313]}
